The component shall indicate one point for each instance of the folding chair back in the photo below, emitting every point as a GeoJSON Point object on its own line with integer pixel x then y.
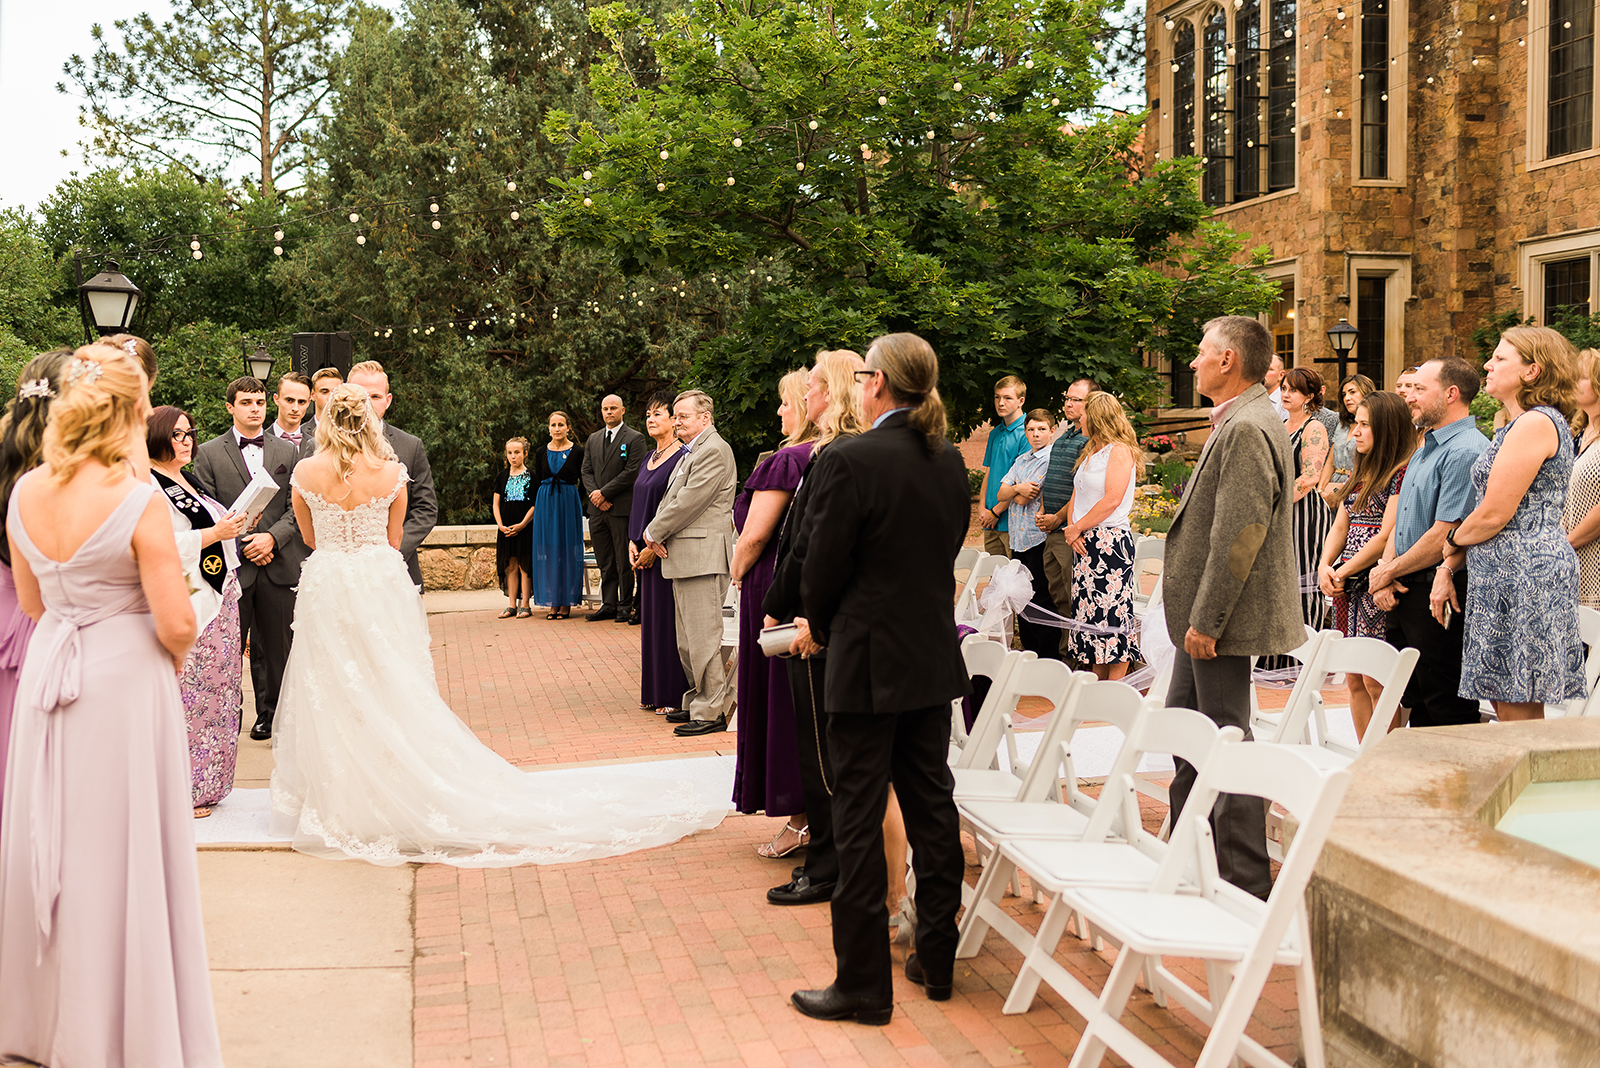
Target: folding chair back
{"type": "Point", "coordinates": [1589, 705]}
{"type": "Point", "coordinates": [1090, 699]}
{"type": "Point", "coordinates": [1306, 694]}
{"type": "Point", "coordinates": [990, 660]}
{"type": "Point", "coordinates": [982, 569]}
{"type": "Point", "coordinates": [994, 716]}
{"type": "Point", "coordinates": [1030, 677]}
{"type": "Point", "coordinates": [1148, 557]}
{"type": "Point", "coordinates": [1179, 732]}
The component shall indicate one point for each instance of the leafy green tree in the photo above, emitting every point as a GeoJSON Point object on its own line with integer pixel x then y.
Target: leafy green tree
{"type": "Point", "coordinates": [879, 165]}
{"type": "Point", "coordinates": [447, 275]}
{"type": "Point", "coordinates": [31, 320]}
{"type": "Point", "coordinates": [228, 82]}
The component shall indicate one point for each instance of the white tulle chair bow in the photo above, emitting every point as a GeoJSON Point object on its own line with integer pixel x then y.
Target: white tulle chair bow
{"type": "Point", "coordinates": [1009, 591]}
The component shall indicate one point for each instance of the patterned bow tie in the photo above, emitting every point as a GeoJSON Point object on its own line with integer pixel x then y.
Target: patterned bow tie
{"type": "Point", "coordinates": [259, 443]}
{"type": "Point", "coordinates": [291, 435]}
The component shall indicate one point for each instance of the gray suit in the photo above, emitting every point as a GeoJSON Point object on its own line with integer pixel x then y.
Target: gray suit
{"type": "Point", "coordinates": [422, 503]}
{"type": "Point", "coordinates": [694, 522]}
{"type": "Point", "coordinates": [611, 469]}
{"type": "Point", "coordinates": [266, 593]}
{"type": "Point", "coordinates": [1230, 574]}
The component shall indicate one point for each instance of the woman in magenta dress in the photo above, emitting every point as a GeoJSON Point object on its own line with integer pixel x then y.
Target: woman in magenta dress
{"type": "Point", "coordinates": [21, 431]}
{"type": "Point", "coordinates": [662, 683]}
{"type": "Point", "coordinates": [766, 777]}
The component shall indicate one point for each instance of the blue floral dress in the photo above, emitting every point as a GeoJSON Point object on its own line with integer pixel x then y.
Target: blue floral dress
{"type": "Point", "coordinates": [1521, 639]}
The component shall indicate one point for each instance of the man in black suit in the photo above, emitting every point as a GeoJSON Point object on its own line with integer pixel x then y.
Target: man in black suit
{"type": "Point", "coordinates": [422, 504]}
{"type": "Point", "coordinates": [270, 556]}
{"type": "Point", "coordinates": [889, 512]}
{"type": "Point", "coordinates": [610, 465]}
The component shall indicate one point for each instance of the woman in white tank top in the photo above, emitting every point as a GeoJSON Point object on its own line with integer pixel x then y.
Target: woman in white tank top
{"type": "Point", "coordinates": [1102, 539]}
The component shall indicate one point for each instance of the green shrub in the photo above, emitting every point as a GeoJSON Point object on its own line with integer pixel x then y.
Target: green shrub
{"type": "Point", "coordinates": [975, 480]}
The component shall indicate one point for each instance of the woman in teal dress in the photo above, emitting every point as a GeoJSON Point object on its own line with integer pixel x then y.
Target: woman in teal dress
{"type": "Point", "coordinates": [558, 521]}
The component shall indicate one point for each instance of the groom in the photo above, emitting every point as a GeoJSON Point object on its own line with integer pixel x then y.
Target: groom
{"type": "Point", "coordinates": [270, 556]}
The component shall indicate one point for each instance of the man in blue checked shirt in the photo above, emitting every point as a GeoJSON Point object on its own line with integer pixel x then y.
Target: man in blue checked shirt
{"type": "Point", "coordinates": [1006, 443]}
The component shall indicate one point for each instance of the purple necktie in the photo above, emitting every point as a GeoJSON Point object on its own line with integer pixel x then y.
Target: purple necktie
{"type": "Point", "coordinates": [260, 443]}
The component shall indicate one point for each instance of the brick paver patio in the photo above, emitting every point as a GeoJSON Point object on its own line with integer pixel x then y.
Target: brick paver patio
{"type": "Point", "coordinates": [672, 956]}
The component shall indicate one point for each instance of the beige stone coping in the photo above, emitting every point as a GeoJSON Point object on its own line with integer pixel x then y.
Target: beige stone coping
{"type": "Point", "coordinates": [1415, 835]}
{"type": "Point", "coordinates": [450, 537]}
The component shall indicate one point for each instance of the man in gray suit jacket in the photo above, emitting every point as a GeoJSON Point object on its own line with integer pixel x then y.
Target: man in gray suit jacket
{"type": "Point", "coordinates": [422, 504]}
{"type": "Point", "coordinates": [1230, 584]}
{"type": "Point", "coordinates": [610, 465]}
{"type": "Point", "coordinates": [270, 556]}
{"type": "Point", "coordinates": [692, 533]}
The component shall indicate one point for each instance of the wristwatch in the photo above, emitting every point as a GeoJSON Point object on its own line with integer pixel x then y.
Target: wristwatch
{"type": "Point", "coordinates": [1450, 538]}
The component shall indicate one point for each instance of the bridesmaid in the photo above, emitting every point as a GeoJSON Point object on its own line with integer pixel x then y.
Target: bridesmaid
{"type": "Point", "coordinates": [766, 777]}
{"type": "Point", "coordinates": [213, 676]}
{"type": "Point", "coordinates": [102, 944]}
{"type": "Point", "coordinates": [662, 683]}
{"type": "Point", "coordinates": [558, 521]}
{"type": "Point", "coordinates": [21, 431]}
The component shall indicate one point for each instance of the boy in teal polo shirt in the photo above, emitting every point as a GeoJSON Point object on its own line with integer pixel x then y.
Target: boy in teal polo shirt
{"type": "Point", "coordinates": [1007, 441]}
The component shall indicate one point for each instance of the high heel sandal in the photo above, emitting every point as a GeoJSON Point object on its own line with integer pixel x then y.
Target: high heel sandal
{"type": "Point", "coordinates": [770, 850]}
{"type": "Point", "coordinates": [905, 923]}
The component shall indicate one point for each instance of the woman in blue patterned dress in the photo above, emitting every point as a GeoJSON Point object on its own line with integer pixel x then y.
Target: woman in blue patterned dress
{"type": "Point", "coordinates": [558, 521]}
{"type": "Point", "coordinates": [513, 544]}
{"type": "Point", "coordinates": [1521, 646]}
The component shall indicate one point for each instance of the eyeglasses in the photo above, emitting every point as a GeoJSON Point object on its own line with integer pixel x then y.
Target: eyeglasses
{"type": "Point", "coordinates": [183, 435]}
{"type": "Point", "coordinates": [867, 374]}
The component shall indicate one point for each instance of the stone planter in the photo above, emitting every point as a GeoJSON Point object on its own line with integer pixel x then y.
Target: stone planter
{"type": "Point", "coordinates": [458, 558]}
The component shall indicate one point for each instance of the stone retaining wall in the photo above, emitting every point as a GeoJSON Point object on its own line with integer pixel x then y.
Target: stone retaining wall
{"type": "Point", "coordinates": [458, 558]}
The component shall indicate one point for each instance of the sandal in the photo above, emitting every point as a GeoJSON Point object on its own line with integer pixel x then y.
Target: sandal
{"type": "Point", "coordinates": [566, 613]}
{"type": "Point", "coordinates": [772, 851]}
{"type": "Point", "coordinates": [524, 612]}
{"type": "Point", "coordinates": [202, 811]}
{"type": "Point", "coordinates": [904, 923]}
{"type": "Point", "coordinates": [508, 613]}
{"type": "Point", "coordinates": [551, 614]}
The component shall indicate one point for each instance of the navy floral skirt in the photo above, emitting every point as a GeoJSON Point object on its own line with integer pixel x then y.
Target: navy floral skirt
{"type": "Point", "coordinates": [1102, 596]}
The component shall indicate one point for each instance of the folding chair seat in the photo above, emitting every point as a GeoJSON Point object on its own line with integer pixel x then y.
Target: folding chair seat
{"type": "Point", "coordinates": [1238, 937]}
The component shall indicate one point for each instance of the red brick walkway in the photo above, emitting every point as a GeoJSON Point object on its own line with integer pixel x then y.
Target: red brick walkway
{"type": "Point", "coordinates": [672, 956]}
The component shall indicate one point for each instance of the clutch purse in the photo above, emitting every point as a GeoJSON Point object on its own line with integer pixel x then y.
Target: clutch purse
{"type": "Point", "coordinates": [776, 640]}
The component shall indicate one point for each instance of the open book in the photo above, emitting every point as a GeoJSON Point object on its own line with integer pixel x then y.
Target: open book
{"type": "Point", "coordinates": [261, 488]}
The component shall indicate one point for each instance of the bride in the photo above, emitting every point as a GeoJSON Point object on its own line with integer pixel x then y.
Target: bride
{"type": "Point", "coordinates": [371, 762]}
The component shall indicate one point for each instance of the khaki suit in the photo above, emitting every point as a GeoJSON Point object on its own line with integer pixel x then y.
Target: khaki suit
{"type": "Point", "coordinates": [1229, 572]}
{"type": "Point", "coordinates": [694, 522]}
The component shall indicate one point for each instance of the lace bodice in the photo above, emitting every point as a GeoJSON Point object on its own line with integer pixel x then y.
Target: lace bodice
{"type": "Point", "coordinates": [339, 529]}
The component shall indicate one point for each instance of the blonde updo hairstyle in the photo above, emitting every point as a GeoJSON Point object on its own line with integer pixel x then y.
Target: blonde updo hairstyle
{"type": "Point", "coordinates": [792, 390]}
{"type": "Point", "coordinates": [99, 412]}
{"type": "Point", "coordinates": [842, 417]}
{"type": "Point", "coordinates": [347, 428]}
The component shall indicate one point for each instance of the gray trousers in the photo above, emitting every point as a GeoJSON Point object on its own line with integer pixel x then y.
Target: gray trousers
{"type": "Point", "coordinates": [1220, 690]}
{"type": "Point", "coordinates": [697, 609]}
{"type": "Point", "coordinates": [1058, 574]}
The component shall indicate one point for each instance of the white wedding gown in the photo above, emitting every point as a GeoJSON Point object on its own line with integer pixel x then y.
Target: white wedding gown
{"type": "Point", "coordinates": [373, 765]}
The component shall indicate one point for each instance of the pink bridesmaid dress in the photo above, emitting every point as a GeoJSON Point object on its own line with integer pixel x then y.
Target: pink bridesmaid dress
{"type": "Point", "coordinates": [102, 949]}
{"type": "Point", "coordinates": [16, 627]}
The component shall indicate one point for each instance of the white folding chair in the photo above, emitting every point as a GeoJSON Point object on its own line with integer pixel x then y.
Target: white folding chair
{"type": "Point", "coordinates": [730, 649]}
{"type": "Point", "coordinates": [993, 661]}
{"type": "Point", "coordinates": [1265, 725]}
{"type": "Point", "coordinates": [982, 569]}
{"type": "Point", "coordinates": [1362, 656]}
{"type": "Point", "coordinates": [1239, 937]}
{"type": "Point", "coordinates": [1149, 555]}
{"type": "Point", "coordinates": [977, 776]}
{"type": "Point", "coordinates": [1589, 631]}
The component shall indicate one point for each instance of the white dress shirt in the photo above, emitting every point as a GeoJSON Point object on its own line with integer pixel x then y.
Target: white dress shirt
{"type": "Point", "coordinates": [255, 456]}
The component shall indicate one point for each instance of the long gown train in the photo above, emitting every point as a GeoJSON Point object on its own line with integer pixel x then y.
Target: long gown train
{"type": "Point", "coordinates": [372, 764]}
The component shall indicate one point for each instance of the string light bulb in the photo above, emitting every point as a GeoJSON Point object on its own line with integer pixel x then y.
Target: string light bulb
{"type": "Point", "coordinates": [588, 202]}
{"type": "Point", "coordinates": [194, 243]}
{"type": "Point", "coordinates": [730, 179]}
{"type": "Point", "coordinates": [1029, 64]}
{"type": "Point", "coordinates": [799, 166]}
{"type": "Point", "coordinates": [882, 100]}
{"type": "Point", "coordinates": [361, 239]}
{"type": "Point", "coordinates": [277, 250]}
{"type": "Point", "coordinates": [928, 135]}
{"type": "Point", "coordinates": [434, 208]}
{"type": "Point", "coordinates": [958, 87]}
{"type": "Point", "coordinates": [197, 254]}
{"type": "Point", "coordinates": [1170, 24]}
{"type": "Point", "coordinates": [355, 217]}
{"type": "Point", "coordinates": [436, 224]}
{"type": "Point", "coordinates": [813, 123]}
{"type": "Point", "coordinates": [511, 187]}
{"type": "Point", "coordinates": [661, 187]}
{"type": "Point", "coordinates": [1055, 101]}
{"type": "Point", "coordinates": [588, 175]}
{"type": "Point", "coordinates": [277, 235]}
{"type": "Point", "coordinates": [516, 215]}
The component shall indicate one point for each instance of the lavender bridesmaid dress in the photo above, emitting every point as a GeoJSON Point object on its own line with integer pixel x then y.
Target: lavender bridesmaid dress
{"type": "Point", "coordinates": [102, 949]}
{"type": "Point", "coordinates": [16, 627]}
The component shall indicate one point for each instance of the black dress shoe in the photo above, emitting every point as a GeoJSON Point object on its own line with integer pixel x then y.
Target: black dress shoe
{"type": "Point", "coordinates": [698, 727]}
{"type": "Point", "coordinates": [799, 870]}
{"type": "Point", "coordinates": [829, 1004]}
{"type": "Point", "coordinates": [800, 891]}
{"type": "Point", "coordinates": [936, 991]}
{"type": "Point", "coordinates": [678, 715]}
{"type": "Point", "coordinates": [600, 614]}
{"type": "Point", "coordinates": [263, 728]}
{"type": "Point", "coordinates": [633, 619]}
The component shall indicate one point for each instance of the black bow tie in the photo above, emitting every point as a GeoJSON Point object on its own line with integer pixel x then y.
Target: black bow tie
{"type": "Point", "coordinates": [260, 443]}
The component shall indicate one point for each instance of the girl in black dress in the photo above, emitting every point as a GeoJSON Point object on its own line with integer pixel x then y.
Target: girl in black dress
{"type": "Point", "coordinates": [513, 546]}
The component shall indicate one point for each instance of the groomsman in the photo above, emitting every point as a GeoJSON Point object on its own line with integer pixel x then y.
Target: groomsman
{"type": "Point", "coordinates": [692, 534]}
{"type": "Point", "coordinates": [291, 400]}
{"type": "Point", "coordinates": [610, 465]}
{"type": "Point", "coordinates": [323, 383]}
{"type": "Point", "coordinates": [422, 504]}
{"type": "Point", "coordinates": [270, 556]}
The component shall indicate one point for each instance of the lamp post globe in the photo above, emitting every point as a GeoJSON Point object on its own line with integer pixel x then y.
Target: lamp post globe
{"type": "Point", "coordinates": [107, 301]}
{"type": "Point", "coordinates": [259, 362]}
{"type": "Point", "coordinates": [1343, 337]}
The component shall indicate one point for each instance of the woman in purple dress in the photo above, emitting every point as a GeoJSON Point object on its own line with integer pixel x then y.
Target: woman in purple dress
{"type": "Point", "coordinates": [767, 774]}
{"type": "Point", "coordinates": [21, 431]}
{"type": "Point", "coordinates": [662, 682]}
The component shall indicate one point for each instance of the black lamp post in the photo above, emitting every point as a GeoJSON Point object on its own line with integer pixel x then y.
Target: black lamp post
{"type": "Point", "coordinates": [259, 362]}
{"type": "Point", "coordinates": [106, 301]}
{"type": "Point", "coordinates": [1343, 337]}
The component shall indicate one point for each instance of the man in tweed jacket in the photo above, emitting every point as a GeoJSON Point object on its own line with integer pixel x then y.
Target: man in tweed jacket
{"type": "Point", "coordinates": [1230, 584]}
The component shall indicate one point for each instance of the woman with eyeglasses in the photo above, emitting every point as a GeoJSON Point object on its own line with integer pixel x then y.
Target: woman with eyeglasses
{"type": "Point", "coordinates": [213, 674]}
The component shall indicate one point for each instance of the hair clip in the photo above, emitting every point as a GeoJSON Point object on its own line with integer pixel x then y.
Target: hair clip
{"type": "Point", "coordinates": [86, 369]}
{"type": "Point", "coordinates": [132, 347]}
{"type": "Point", "coordinates": [35, 387]}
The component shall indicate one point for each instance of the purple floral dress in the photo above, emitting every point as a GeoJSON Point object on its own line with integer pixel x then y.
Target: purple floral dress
{"type": "Point", "coordinates": [1359, 616]}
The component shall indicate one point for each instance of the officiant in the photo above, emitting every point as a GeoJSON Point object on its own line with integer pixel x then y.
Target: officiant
{"type": "Point", "coordinates": [271, 552]}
